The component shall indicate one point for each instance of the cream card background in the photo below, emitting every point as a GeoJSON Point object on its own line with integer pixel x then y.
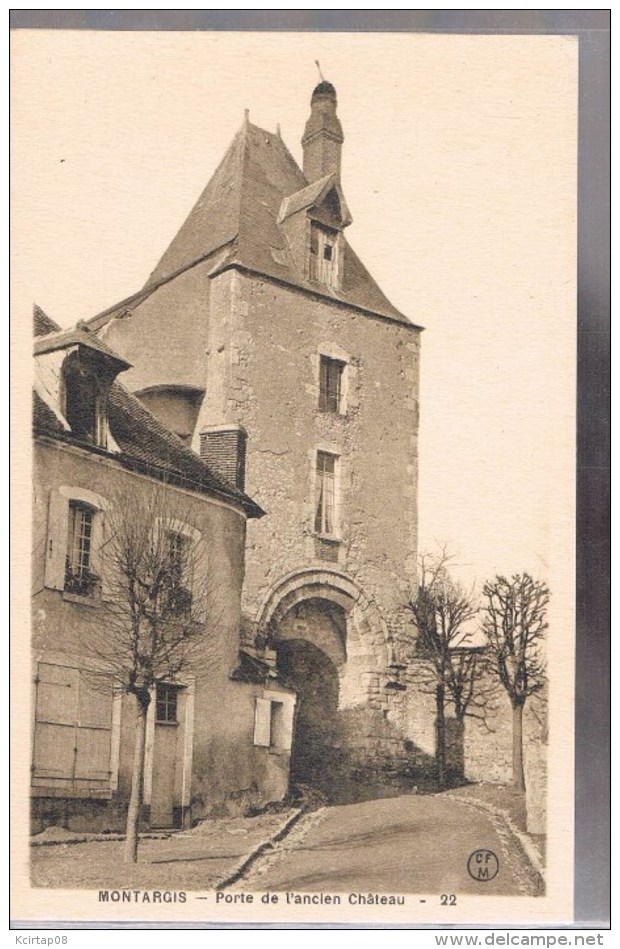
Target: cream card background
{"type": "Point", "coordinates": [459, 166]}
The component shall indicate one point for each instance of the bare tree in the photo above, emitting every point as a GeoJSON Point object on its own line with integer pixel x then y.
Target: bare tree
{"type": "Point", "coordinates": [452, 666]}
{"type": "Point", "coordinates": [514, 621]}
{"type": "Point", "coordinates": [160, 609]}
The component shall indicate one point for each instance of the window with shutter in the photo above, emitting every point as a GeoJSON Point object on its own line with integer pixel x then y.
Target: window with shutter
{"type": "Point", "coordinates": [262, 723]}
{"type": "Point", "coordinates": [75, 537]}
{"type": "Point", "coordinates": [273, 721]}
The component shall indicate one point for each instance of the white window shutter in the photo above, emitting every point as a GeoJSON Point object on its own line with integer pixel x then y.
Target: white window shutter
{"type": "Point", "coordinates": [262, 723]}
{"type": "Point", "coordinates": [102, 554]}
{"type": "Point", "coordinates": [56, 549]}
{"type": "Point", "coordinates": [287, 722]}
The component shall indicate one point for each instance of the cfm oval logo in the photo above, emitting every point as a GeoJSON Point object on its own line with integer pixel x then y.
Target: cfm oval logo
{"type": "Point", "coordinates": [483, 866]}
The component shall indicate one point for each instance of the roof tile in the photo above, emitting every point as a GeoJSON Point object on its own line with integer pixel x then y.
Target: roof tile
{"type": "Point", "coordinates": [238, 212]}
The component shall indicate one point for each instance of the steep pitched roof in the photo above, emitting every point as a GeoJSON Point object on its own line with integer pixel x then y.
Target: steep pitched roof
{"type": "Point", "coordinates": [42, 323]}
{"type": "Point", "coordinates": [236, 222]}
{"type": "Point", "coordinates": [238, 202]}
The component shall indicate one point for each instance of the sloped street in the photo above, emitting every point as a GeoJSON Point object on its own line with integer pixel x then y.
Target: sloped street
{"type": "Point", "coordinates": [411, 844]}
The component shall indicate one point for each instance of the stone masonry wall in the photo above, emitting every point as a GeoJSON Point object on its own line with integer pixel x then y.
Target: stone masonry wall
{"type": "Point", "coordinates": [265, 341]}
{"type": "Point", "coordinates": [484, 750]}
{"type": "Point", "coordinates": [263, 355]}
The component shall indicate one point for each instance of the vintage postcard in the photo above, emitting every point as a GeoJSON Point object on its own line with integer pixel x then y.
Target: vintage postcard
{"type": "Point", "coordinates": [295, 321]}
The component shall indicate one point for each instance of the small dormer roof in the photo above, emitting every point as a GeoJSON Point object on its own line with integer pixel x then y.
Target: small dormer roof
{"type": "Point", "coordinates": [82, 336]}
{"type": "Point", "coordinates": [313, 196]}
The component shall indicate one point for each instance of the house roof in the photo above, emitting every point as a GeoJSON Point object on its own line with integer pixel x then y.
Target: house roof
{"type": "Point", "coordinates": [42, 323]}
{"type": "Point", "coordinates": [80, 335]}
{"type": "Point", "coordinates": [145, 444]}
{"type": "Point", "coordinates": [312, 195]}
{"type": "Point", "coordinates": [237, 216]}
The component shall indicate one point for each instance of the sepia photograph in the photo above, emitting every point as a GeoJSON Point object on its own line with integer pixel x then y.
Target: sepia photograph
{"type": "Point", "coordinates": [295, 316]}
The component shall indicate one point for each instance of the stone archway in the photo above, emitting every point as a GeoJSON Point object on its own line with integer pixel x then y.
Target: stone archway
{"type": "Point", "coordinates": [332, 649]}
{"type": "Point", "coordinates": [363, 631]}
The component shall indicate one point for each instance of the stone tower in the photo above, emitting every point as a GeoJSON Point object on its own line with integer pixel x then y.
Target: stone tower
{"type": "Point", "coordinates": [261, 333]}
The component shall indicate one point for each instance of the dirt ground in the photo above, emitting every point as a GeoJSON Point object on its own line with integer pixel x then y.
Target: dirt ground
{"type": "Point", "coordinates": [191, 860]}
{"type": "Point", "coordinates": [501, 796]}
{"type": "Point", "coordinates": [198, 859]}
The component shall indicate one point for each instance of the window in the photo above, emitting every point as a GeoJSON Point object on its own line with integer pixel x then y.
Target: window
{"type": "Point", "coordinates": [74, 722]}
{"type": "Point", "coordinates": [324, 256]}
{"type": "Point", "coordinates": [177, 555]}
{"type": "Point", "coordinates": [325, 510]}
{"type": "Point", "coordinates": [166, 703]}
{"type": "Point", "coordinates": [330, 384]}
{"type": "Point", "coordinates": [75, 541]}
{"type": "Point", "coordinates": [178, 596]}
{"type": "Point", "coordinates": [82, 400]}
{"type": "Point", "coordinates": [273, 722]}
{"type": "Point", "coordinates": [80, 579]}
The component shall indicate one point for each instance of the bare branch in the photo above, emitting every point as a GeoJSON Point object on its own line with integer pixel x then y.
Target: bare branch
{"type": "Point", "coordinates": [514, 622]}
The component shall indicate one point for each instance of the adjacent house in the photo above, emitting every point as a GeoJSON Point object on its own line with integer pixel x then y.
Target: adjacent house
{"type": "Point", "coordinates": [216, 741]}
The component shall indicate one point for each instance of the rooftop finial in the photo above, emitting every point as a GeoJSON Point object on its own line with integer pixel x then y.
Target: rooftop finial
{"type": "Point", "coordinates": [246, 114]}
{"type": "Point", "coordinates": [318, 66]}
{"type": "Point", "coordinates": [278, 130]}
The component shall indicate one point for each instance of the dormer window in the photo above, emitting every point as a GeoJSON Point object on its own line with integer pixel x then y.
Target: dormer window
{"type": "Point", "coordinates": [83, 400]}
{"type": "Point", "coordinates": [324, 255]}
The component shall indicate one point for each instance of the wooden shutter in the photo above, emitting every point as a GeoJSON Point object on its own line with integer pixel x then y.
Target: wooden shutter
{"type": "Point", "coordinates": [94, 732]}
{"type": "Point", "coordinates": [73, 727]}
{"type": "Point", "coordinates": [262, 723]}
{"type": "Point", "coordinates": [102, 554]}
{"type": "Point", "coordinates": [56, 710]}
{"type": "Point", "coordinates": [288, 715]}
{"type": "Point", "coordinates": [56, 550]}
{"type": "Point", "coordinates": [93, 748]}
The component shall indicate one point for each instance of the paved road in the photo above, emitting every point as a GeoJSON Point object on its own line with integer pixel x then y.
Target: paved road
{"type": "Point", "coordinates": [410, 844]}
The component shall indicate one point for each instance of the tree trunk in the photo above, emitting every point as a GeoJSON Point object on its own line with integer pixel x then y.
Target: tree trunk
{"type": "Point", "coordinates": [137, 783]}
{"type": "Point", "coordinates": [518, 775]}
{"type": "Point", "coordinates": [440, 727]}
{"type": "Point", "coordinates": [457, 747]}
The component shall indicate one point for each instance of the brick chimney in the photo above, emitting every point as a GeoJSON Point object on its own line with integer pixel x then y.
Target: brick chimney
{"type": "Point", "coordinates": [323, 138]}
{"type": "Point", "coordinates": [222, 448]}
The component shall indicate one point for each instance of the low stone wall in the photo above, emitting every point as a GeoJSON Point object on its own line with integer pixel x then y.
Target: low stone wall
{"type": "Point", "coordinates": [80, 815]}
{"type": "Point", "coordinates": [481, 751]}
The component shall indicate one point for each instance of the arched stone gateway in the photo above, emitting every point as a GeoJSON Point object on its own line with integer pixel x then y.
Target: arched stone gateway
{"type": "Point", "coordinates": [358, 630]}
{"type": "Point", "coordinates": [316, 751]}
{"type": "Point", "coordinates": [333, 649]}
